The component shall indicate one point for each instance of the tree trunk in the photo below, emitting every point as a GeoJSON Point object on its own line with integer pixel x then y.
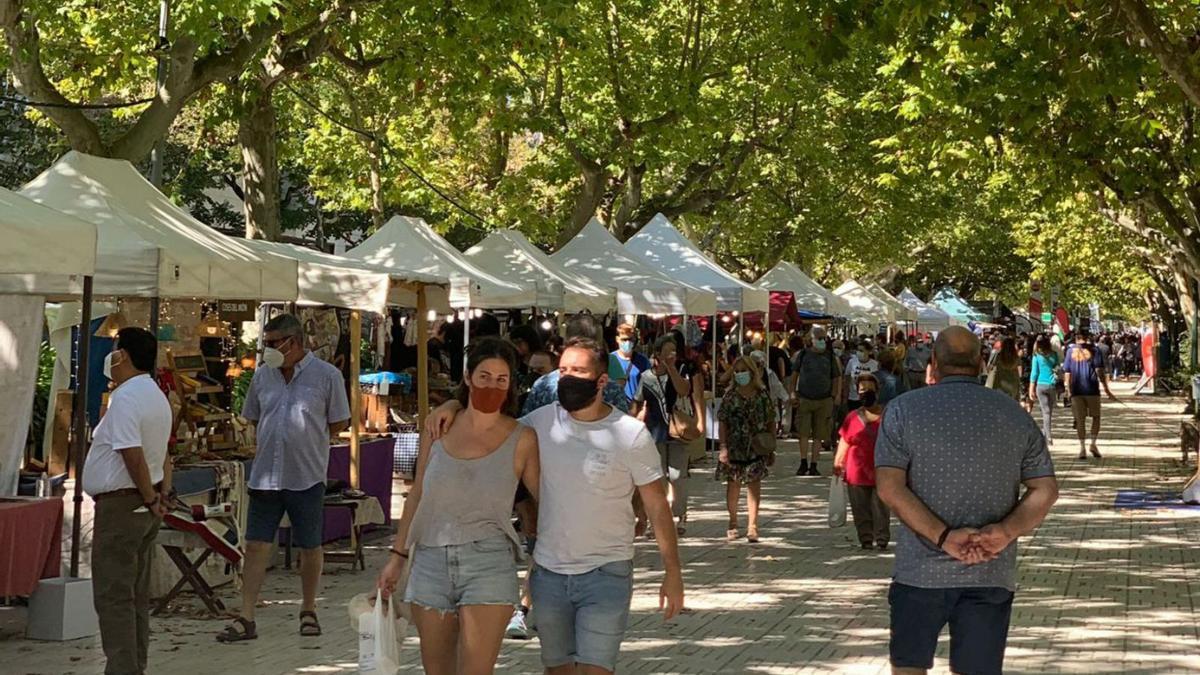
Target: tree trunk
{"type": "Point", "coordinates": [587, 201]}
{"type": "Point", "coordinates": [376, 157]}
{"type": "Point", "coordinates": [260, 164]}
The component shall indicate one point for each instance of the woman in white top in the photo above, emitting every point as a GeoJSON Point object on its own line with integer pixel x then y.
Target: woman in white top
{"type": "Point", "coordinates": [457, 521]}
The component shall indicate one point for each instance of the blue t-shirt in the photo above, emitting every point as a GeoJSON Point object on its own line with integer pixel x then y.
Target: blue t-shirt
{"type": "Point", "coordinates": [1084, 363]}
{"type": "Point", "coordinates": [1042, 371]}
{"type": "Point", "coordinates": [632, 373]}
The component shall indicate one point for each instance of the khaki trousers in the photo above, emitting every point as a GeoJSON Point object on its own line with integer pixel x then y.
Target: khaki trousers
{"type": "Point", "coordinates": [122, 549]}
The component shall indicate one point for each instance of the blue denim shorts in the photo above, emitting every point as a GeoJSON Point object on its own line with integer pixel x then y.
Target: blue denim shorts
{"type": "Point", "coordinates": [482, 572]}
{"type": "Point", "coordinates": [304, 508]}
{"type": "Point", "coordinates": [582, 617]}
{"type": "Point", "coordinates": [978, 619]}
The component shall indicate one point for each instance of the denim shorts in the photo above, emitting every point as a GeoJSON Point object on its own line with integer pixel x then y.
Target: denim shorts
{"type": "Point", "coordinates": [582, 617]}
{"type": "Point", "coordinates": [304, 508]}
{"type": "Point", "coordinates": [978, 619]}
{"type": "Point", "coordinates": [481, 572]}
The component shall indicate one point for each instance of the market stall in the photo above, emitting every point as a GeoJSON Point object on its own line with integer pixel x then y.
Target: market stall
{"type": "Point", "coordinates": [901, 311]}
{"type": "Point", "coordinates": [508, 255]}
{"type": "Point", "coordinates": [663, 247]}
{"type": "Point", "coordinates": [864, 305]}
{"type": "Point", "coordinates": [960, 311]}
{"type": "Point", "coordinates": [31, 271]}
{"type": "Point", "coordinates": [641, 288]}
{"type": "Point", "coordinates": [810, 296]}
{"type": "Point", "coordinates": [198, 289]}
{"type": "Point", "coordinates": [929, 318]}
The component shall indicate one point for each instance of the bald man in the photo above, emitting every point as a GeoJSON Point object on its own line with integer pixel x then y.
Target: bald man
{"type": "Point", "coordinates": [950, 462]}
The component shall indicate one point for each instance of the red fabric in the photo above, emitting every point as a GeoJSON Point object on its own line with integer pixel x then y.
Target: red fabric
{"type": "Point", "coordinates": [30, 543]}
{"type": "Point", "coordinates": [784, 314]}
{"type": "Point", "coordinates": [860, 457]}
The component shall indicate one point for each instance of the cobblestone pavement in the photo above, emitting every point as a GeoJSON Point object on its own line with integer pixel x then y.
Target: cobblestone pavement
{"type": "Point", "coordinates": [1101, 590]}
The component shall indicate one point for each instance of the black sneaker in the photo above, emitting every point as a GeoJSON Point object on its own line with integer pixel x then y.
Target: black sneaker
{"type": "Point", "coordinates": [803, 470]}
{"type": "Point", "coordinates": [812, 470]}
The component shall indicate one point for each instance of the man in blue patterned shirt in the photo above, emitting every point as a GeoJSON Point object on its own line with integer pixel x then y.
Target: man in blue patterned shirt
{"type": "Point", "coordinates": [950, 461]}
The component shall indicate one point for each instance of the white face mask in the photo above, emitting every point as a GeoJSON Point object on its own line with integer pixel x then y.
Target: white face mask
{"type": "Point", "coordinates": [272, 357]}
{"type": "Point", "coordinates": [108, 364]}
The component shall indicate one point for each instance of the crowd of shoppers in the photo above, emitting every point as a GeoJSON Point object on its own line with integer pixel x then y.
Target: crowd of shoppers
{"type": "Point", "coordinates": [594, 444]}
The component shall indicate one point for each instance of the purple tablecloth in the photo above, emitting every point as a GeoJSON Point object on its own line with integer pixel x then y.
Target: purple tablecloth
{"type": "Point", "coordinates": [376, 480]}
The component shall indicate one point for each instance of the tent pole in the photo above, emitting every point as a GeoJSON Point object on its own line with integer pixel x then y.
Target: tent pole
{"type": "Point", "coordinates": [466, 331]}
{"type": "Point", "coordinates": [355, 396]}
{"type": "Point", "coordinates": [710, 427]}
{"type": "Point", "coordinates": [154, 305]}
{"type": "Point", "coordinates": [79, 419]}
{"type": "Point", "coordinates": [422, 359]}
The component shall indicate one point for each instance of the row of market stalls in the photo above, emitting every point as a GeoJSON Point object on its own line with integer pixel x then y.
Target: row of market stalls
{"type": "Point", "coordinates": [94, 234]}
{"type": "Point", "coordinates": [149, 247]}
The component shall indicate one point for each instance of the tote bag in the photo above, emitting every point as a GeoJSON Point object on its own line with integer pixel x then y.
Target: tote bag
{"type": "Point", "coordinates": [837, 502]}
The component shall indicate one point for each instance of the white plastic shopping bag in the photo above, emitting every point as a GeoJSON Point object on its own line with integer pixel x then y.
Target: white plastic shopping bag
{"type": "Point", "coordinates": [378, 641]}
{"type": "Point", "coordinates": [837, 502]}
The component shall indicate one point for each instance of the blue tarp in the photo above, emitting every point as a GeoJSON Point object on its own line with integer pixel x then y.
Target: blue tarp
{"type": "Point", "coordinates": [951, 303]}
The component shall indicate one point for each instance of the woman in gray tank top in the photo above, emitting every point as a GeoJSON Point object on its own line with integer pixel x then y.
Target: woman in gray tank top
{"type": "Point", "coordinates": [457, 522]}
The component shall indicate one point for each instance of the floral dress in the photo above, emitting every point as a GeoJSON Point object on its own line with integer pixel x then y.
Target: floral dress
{"type": "Point", "coordinates": [741, 418]}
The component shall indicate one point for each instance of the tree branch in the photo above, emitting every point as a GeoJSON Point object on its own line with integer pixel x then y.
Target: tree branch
{"type": "Point", "coordinates": [24, 47]}
{"type": "Point", "coordinates": [1174, 59]}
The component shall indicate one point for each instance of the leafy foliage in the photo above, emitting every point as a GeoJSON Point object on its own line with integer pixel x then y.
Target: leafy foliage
{"type": "Point", "coordinates": [915, 144]}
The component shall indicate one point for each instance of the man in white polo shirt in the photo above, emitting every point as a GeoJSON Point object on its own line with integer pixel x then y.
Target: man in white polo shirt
{"type": "Point", "coordinates": [128, 475]}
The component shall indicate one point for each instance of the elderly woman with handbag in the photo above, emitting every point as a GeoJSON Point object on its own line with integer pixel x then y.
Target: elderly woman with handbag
{"type": "Point", "coordinates": [664, 402]}
{"type": "Point", "coordinates": [747, 423]}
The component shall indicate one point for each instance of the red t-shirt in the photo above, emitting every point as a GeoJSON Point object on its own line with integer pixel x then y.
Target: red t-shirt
{"type": "Point", "coordinates": [860, 457]}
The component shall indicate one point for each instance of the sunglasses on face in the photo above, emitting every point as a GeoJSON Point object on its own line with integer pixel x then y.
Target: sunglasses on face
{"type": "Point", "coordinates": [275, 344]}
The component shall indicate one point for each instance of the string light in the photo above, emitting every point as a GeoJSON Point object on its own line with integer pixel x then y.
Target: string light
{"type": "Point", "coordinates": [432, 315]}
{"type": "Point", "coordinates": [450, 317]}
{"type": "Point", "coordinates": [546, 325]}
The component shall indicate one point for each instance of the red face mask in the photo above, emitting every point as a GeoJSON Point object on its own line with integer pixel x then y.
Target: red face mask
{"type": "Point", "coordinates": [488, 400]}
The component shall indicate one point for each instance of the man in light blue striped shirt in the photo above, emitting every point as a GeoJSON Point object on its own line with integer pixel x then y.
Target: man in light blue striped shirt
{"type": "Point", "coordinates": [297, 402]}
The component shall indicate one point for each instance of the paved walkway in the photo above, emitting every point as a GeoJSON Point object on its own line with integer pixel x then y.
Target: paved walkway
{"type": "Point", "coordinates": [1102, 590]}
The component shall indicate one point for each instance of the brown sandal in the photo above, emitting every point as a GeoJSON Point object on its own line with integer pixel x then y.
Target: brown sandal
{"type": "Point", "coordinates": [309, 628]}
{"type": "Point", "coordinates": [232, 634]}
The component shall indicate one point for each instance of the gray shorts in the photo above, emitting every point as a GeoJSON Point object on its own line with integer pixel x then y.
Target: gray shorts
{"type": "Point", "coordinates": [482, 572]}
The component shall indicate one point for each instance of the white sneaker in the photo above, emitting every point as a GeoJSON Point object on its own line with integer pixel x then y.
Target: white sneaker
{"type": "Point", "coordinates": [517, 630]}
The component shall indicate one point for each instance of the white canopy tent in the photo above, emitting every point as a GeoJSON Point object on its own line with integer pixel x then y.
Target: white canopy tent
{"type": "Point", "coordinates": [508, 255]}
{"type": "Point", "coordinates": [864, 303]}
{"type": "Point", "coordinates": [406, 243]}
{"type": "Point", "coordinates": [42, 249]}
{"type": "Point", "coordinates": [641, 289]}
{"type": "Point", "coordinates": [810, 295]}
{"type": "Point", "coordinates": [663, 247]}
{"type": "Point", "coordinates": [901, 311]}
{"type": "Point", "coordinates": [326, 279]}
{"type": "Point", "coordinates": [150, 247]}
{"type": "Point", "coordinates": [928, 316]}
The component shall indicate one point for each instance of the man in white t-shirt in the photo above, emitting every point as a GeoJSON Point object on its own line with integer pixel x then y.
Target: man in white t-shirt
{"type": "Point", "coordinates": [593, 458]}
{"type": "Point", "coordinates": [128, 475]}
{"type": "Point", "coordinates": [862, 362]}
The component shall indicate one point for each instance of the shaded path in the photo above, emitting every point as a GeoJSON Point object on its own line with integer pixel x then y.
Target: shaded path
{"type": "Point", "coordinates": [1102, 590]}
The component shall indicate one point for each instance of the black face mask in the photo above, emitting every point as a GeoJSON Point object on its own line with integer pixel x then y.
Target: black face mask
{"type": "Point", "coordinates": [869, 398]}
{"type": "Point", "coordinates": [576, 393]}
